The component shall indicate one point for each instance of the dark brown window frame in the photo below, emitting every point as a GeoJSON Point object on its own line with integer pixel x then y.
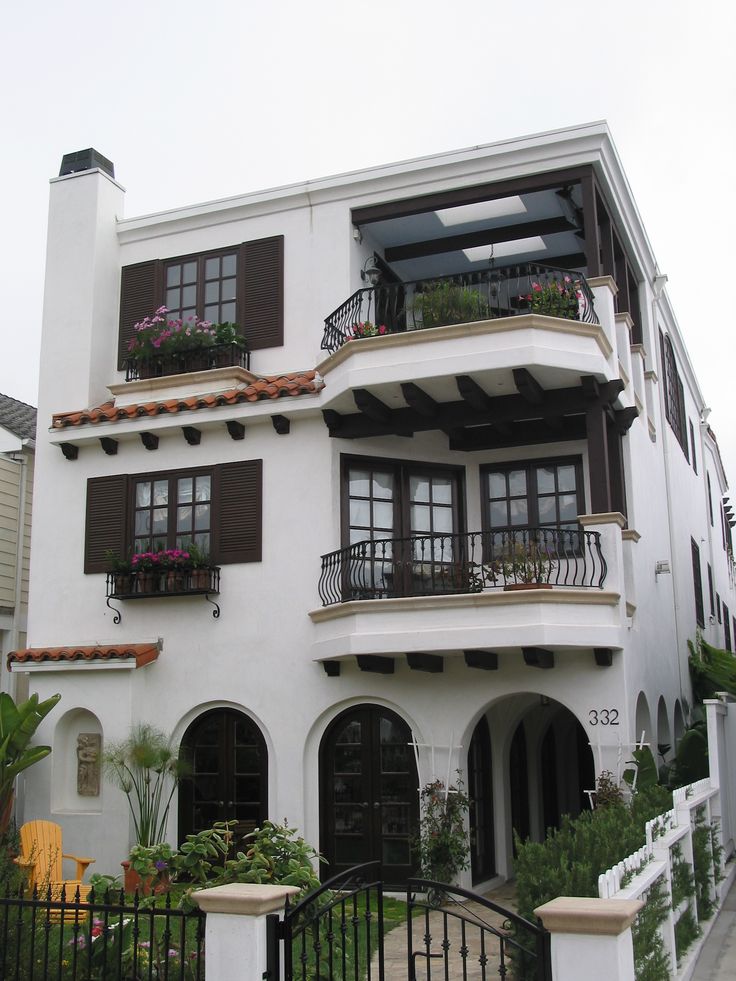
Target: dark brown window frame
{"type": "Point", "coordinates": [527, 464]}
{"type": "Point", "coordinates": [403, 469]}
{"type": "Point", "coordinates": [172, 477]}
{"type": "Point", "coordinates": [697, 584]}
{"type": "Point", "coordinates": [201, 281]}
{"type": "Point", "coordinates": [236, 512]}
{"type": "Point", "coordinates": [727, 627]}
{"type": "Point", "coordinates": [674, 395]}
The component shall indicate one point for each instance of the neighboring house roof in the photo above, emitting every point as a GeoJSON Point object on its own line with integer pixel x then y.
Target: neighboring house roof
{"type": "Point", "coordinates": [266, 387]}
{"type": "Point", "coordinates": [142, 654]}
{"type": "Point", "coordinates": [17, 417]}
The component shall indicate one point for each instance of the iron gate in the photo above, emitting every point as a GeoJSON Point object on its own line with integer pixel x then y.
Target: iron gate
{"type": "Point", "coordinates": [337, 934]}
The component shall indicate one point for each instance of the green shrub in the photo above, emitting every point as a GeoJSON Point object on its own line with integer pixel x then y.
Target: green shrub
{"type": "Point", "coordinates": [445, 302]}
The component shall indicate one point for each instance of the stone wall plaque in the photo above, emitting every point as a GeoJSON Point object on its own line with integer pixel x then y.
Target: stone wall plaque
{"type": "Point", "coordinates": [89, 751]}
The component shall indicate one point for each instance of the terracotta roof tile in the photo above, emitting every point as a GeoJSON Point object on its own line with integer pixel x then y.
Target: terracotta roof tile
{"type": "Point", "coordinates": [142, 654]}
{"type": "Point", "coordinates": [267, 387]}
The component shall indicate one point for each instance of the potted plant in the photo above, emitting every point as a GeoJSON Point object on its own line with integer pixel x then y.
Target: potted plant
{"type": "Point", "coordinates": [147, 569]}
{"type": "Point", "coordinates": [147, 768]}
{"type": "Point", "coordinates": [555, 298]}
{"type": "Point", "coordinates": [121, 570]}
{"type": "Point", "coordinates": [199, 575]}
{"type": "Point", "coordinates": [445, 302]}
{"type": "Point", "coordinates": [365, 328]}
{"type": "Point", "coordinates": [228, 339]}
{"type": "Point", "coordinates": [525, 566]}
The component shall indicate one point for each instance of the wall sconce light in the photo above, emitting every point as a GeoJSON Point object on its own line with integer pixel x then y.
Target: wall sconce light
{"type": "Point", "coordinates": [662, 568]}
{"type": "Point", "coordinates": [370, 271]}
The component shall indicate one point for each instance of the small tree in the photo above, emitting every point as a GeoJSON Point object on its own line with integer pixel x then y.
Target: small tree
{"type": "Point", "coordinates": [147, 769]}
{"type": "Point", "coordinates": [18, 723]}
{"type": "Point", "coordinates": [442, 846]}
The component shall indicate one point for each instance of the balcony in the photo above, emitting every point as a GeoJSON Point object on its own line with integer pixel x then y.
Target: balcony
{"type": "Point", "coordinates": [187, 361]}
{"type": "Point", "coordinates": [156, 583]}
{"type": "Point", "coordinates": [490, 294]}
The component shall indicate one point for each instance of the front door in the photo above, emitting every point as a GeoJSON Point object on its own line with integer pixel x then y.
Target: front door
{"type": "Point", "coordinates": [369, 799]}
{"type": "Point", "coordinates": [228, 780]}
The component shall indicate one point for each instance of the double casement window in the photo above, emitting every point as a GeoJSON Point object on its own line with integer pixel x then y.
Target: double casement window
{"type": "Point", "coordinates": [533, 494]}
{"type": "Point", "coordinates": [218, 508]}
{"type": "Point", "coordinates": [674, 396]}
{"type": "Point", "coordinates": [242, 284]}
{"type": "Point", "coordinates": [697, 584]}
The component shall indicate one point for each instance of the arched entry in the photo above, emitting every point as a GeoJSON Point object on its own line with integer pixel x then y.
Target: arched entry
{"type": "Point", "coordinates": [480, 791]}
{"type": "Point", "coordinates": [369, 804]}
{"type": "Point", "coordinates": [229, 773]}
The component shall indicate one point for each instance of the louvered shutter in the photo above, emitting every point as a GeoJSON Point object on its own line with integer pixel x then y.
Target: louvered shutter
{"type": "Point", "coordinates": [106, 526]}
{"type": "Point", "coordinates": [140, 296]}
{"type": "Point", "coordinates": [238, 497]}
{"type": "Point", "coordinates": [262, 302]}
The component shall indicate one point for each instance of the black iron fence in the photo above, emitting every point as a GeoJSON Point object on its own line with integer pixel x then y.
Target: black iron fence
{"type": "Point", "coordinates": [391, 308]}
{"type": "Point", "coordinates": [163, 582]}
{"type": "Point", "coordinates": [453, 933]}
{"type": "Point", "coordinates": [99, 938]}
{"type": "Point", "coordinates": [181, 362]}
{"type": "Point", "coordinates": [335, 933]}
{"type": "Point", "coordinates": [430, 565]}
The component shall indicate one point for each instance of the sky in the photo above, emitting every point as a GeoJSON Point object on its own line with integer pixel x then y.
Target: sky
{"type": "Point", "coordinates": [194, 102]}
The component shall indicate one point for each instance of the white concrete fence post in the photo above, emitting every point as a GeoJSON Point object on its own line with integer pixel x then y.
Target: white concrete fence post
{"type": "Point", "coordinates": [235, 929]}
{"type": "Point", "coordinates": [591, 938]}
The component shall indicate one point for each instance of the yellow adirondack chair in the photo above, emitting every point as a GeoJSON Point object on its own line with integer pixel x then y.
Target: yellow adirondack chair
{"type": "Point", "coordinates": [41, 857]}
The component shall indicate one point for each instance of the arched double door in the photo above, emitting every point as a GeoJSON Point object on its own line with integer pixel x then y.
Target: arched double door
{"type": "Point", "coordinates": [228, 778]}
{"type": "Point", "coordinates": [369, 805]}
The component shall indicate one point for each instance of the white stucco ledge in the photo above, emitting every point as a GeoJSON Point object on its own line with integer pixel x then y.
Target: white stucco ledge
{"type": "Point", "coordinates": [244, 899]}
{"type": "Point", "coordinates": [583, 914]}
{"type": "Point", "coordinates": [604, 518]}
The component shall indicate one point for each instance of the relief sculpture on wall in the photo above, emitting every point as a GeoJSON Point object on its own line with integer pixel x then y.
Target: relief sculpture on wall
{"type": "Point", "coordinates": [89, 746]}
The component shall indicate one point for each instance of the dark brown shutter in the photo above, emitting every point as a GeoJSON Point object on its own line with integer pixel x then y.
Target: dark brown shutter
{"type": "Point", "coordinates": [107, 499]}
{"type": "Point", "coordinates": [140, 296]}
{"type": "Point", "coordinates": [262, 264]}
{"type": "Point", "coordinates": [239, 496]}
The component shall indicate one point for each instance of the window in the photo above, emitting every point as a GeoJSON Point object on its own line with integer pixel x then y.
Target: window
{"type": "Point", "coordinates": [697, 584]}
{"type": "Point", "coordinates": [219, 508]}
{"type": "Point", "coordinates": [692, 446]}
{"type": "Point", "coordinates": [242, 284]}
{"type": "Point", "coordinates": [727, 627]}
{"type": "Point", "coordinates": [674, 398]}
{"type": "Point", "coordinates": [718, 607]}
{"type": "Point", "coordinates": [535, 494]}
{"type": "Point", "coordinates": [710, 592]}
{"type": "Point", "coordinates": [710, 500]}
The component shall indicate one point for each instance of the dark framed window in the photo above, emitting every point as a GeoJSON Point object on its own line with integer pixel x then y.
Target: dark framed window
{"type": "Point", "coordinates": [242, 284]}
{"type": "Point", "coordinates": [674, 397]}
{"type": "Point", "coordinates": [711, 595]}
{"type": "Point", "coordinates": [727, 626]}
{"type": "Point", "coordinates": [219, 508]}
{"type": "Point", "coordinates": [692, 446]}
{"type": "Point", "coordinates": [710, 500]}
{"type": "Point", "coordinates": [532, 494]}
{"type": "Point", "coordinates": [697, 584]}
{"type": "Point", "coordinates": [718, 607]}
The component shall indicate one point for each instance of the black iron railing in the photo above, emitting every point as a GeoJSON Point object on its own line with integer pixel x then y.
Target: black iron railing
{"type": "Point", "coordinates": [166, 582]}
{"type": "Point", "coordinates": [432, 565]}
{"type": "Point", "coordinates": [466, 298]}
{"type": "Point", "coordinates": [181, 362]}
{"type": "Point", "coordinates": [109, 936]}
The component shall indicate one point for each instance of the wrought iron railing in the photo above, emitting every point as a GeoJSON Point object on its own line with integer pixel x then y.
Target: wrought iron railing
{"type": "Point", "coordinates": [182, 362]}
{"type": "Point", "coordinates": [163, 582]}
{"type": "Point", "coordinates": [466, 298]}
{"type": "Point", "coordinates": [110, 936]}
{"type": "Point", "coordinates": [431, 565]}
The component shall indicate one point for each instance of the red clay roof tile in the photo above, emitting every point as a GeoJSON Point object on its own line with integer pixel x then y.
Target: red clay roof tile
{"type": "Point", "coordinates": [142, 654]}
{"type": "Point", "coordinates": [267, 387]}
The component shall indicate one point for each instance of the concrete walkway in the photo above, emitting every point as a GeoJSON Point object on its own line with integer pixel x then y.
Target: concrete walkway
{"type": "Point", "coordinates": [717, 960]}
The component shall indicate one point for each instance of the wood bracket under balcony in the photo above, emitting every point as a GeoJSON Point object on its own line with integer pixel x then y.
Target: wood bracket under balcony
{"type": "Point", "coordinates": [235, 429]}
{"type": "Point", "coordinates": [485, 660]}
{"type": "Point", "coordinates": [528, 386]}
{"type": "Point", "coordinates": [331, 668]}
{"type": "Point", "coordinates": [419, 400]}
{"type": "Point", "coordinates": [538, 657]}
{"type": "Point", "coordinates": [603, 656]}
{"type": "Point", "coordinates": [431, 663]}
{"type": "Point", "coordinates": [281, 424]}
{"type": "Point", "coordinates": [109, 445]}
{"type": "Point", "coordinates": [375, 664]}
{"type": "Point", "coordinates": [70, 451]}
{"type": "Point", "coordinates": [192, 435]}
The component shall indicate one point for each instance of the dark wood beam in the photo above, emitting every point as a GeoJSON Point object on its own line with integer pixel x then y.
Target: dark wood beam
{"type": "Point", "coordinates": [473, 394]}
{"type": "Point", "coordinates": [472, 240]}
{"type": "Point", "coordinates": [555, 423]}
{"type": "Point", "coordinates": [485, 660]}
{"type": "Point", "coordinates": [332, 668]}
{"type": "Point", "coordinates": [150, 441]}
{"type": "Point", "coordinates": [333, 421]}
{"type": "Point", "coordinates": [192, 435]}
{"type": "Point", "coordinates": [528, 386]}
{"type": "Point", "coordinates": [521, 434]}
{"type": "Point", "coordinates": [573, 260]}
{"type": "Point", "coordinates": [418, 400]}
{"type": "Point", "coordinates": [109, 445]}
{"type": "Point", "coordinates": [437, 201]}
{"type": "Point", "coordinates": [370, 406]}
{"type": "Point", "coordinates": [375, 663]}
{"type": "Point", "coordinates": [432, 663]}
{"type": "Point", "coordinates": [538, 657]}
{"type": "Point", "coordinates": [624, 419]}
{"type": "Point", "coordinates": [603, 656]}
{"type": "Point", "coordinates": [596, 430]}
{"type": "Point", "coordinates": [236, 429]}
{"type": "Point", "coordinates": [70, 451]}
{"type": "Point", "coordinates": [590, 226]}
{"type": "Point", "coordinates": [281, 424]}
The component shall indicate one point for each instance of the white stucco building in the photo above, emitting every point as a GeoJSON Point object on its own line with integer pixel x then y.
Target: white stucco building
{"type": "Point", "coordinates": [367, 501]}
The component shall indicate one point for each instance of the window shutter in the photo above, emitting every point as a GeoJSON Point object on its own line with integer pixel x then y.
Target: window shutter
{"type": "Point", "coordinates": [107, 499]}
{"type": "Point", "coordinates": [239, 490]}
{"type": "Point", "coordinates": [140, 293]}
{"type": "Point", "coordinates": [262, 263]}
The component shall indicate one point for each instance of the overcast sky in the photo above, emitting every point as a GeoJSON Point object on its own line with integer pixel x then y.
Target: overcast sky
{"type": "Point", "coordinates": [194, 101]}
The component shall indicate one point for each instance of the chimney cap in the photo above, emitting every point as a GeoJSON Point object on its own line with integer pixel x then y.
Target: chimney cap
{"type": "Point", "coordinates": [75, 163]}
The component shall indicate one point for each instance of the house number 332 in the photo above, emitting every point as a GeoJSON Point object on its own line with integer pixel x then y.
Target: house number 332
{"type": "Point", "coordinates": [603, 717]}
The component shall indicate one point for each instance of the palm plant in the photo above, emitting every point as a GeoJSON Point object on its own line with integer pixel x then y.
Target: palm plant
{"type": "Point", "coordinates": [147, 769]}
{"type": "Point", "coordinates": [18, 724]}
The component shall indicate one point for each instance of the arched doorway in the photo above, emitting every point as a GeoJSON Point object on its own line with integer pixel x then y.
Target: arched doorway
{"type": "Point", "coordinates": [480, 791]}
{"type": "Point", "coordinates": [229, 773]}
{"type": "Point", "coordinates": [369, 804]}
